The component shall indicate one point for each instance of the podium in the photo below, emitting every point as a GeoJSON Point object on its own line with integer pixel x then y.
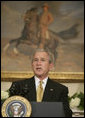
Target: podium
{"type": "Point", "coordinates": [47, 109]}
{"type": "Point", "coordinates": [32, 109]}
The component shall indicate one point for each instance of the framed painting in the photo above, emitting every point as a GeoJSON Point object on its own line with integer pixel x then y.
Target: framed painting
{"type": "Point", "coordinates": [21, 35]}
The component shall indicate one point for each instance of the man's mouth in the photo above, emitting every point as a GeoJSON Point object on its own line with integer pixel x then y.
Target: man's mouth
{"type": "Point", "coordinates": [38, 68]}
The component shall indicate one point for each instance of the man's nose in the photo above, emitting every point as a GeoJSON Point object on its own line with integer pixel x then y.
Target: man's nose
{"type": "Point", "coordinates": [39, 62]}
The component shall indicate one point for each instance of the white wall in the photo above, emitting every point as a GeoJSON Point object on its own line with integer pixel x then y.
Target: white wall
{"type": "Point", "coordinates": [73, 87]}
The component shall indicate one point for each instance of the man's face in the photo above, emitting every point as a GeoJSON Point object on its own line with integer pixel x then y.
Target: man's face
{"type": "Point", "coordinates": [45, 8]}
{"type": "Point", "coordinates": [41, 65]}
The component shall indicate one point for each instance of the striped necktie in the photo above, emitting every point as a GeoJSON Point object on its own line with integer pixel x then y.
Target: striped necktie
{"type": "Point", "coordinates": [40, 92]}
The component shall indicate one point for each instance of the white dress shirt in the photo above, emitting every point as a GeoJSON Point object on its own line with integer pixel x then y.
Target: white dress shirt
{"type": "Point", "coordinates": [37, 82]}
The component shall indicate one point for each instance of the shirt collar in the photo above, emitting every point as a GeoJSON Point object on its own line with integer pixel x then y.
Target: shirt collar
{"type": "Point", "coordinates": [37, 81]}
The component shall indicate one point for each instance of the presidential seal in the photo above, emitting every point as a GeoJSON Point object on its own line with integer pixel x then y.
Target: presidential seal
{"type": "Point", "coordinates": [16, 106]}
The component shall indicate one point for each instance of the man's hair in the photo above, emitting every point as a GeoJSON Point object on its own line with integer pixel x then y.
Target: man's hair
{"type": "Point", "coordinates": [51, 57]}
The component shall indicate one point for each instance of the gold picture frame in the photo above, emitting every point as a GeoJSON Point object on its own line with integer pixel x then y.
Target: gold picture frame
{"type": "Point", "coordinates": [57, 76]}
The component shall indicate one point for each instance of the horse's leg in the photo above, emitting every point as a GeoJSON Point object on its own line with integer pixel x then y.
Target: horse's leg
{"type": "Point", "coordinates": [15, 48]}
{"type": "Point", "coordinates": [6, 47]}
{"type": "Point", "coordinates": [8, 44]}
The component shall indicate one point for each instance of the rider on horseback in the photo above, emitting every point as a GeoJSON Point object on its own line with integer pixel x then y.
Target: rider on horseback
{"type": "Point", "coordinates": [46, 19]}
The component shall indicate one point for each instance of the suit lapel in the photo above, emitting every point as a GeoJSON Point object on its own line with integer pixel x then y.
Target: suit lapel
{"type": "Point", "coordinates": [49, 90]}
{"type": "Point", "coordinates": [32, 91]}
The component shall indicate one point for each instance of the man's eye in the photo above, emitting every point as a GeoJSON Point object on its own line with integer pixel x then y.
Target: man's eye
{"type": "Point", "coordinates": [43, 60]}
{"type": "Point", "coordinates": [35, 60]}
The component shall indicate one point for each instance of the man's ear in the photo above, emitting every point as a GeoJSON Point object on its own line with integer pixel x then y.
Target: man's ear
{"type": "Point", "coordinates": [51, 66]}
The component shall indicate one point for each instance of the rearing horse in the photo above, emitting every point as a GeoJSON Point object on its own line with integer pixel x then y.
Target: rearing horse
{"type": "Point", "coordinates": [30, 35]}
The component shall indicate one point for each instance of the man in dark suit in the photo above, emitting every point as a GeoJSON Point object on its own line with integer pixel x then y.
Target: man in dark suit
{"type": "Point", "coordinates": [42, 63]}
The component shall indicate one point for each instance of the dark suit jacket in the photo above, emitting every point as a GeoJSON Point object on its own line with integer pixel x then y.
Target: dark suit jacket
{"type": "Point", "coordinates": [54, 92]}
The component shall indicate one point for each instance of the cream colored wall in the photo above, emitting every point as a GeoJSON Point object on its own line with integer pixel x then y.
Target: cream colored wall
{"type": "Point", "coordinates": [5, 85]}
{"type": "Point", "coordinates": [73, 87]}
